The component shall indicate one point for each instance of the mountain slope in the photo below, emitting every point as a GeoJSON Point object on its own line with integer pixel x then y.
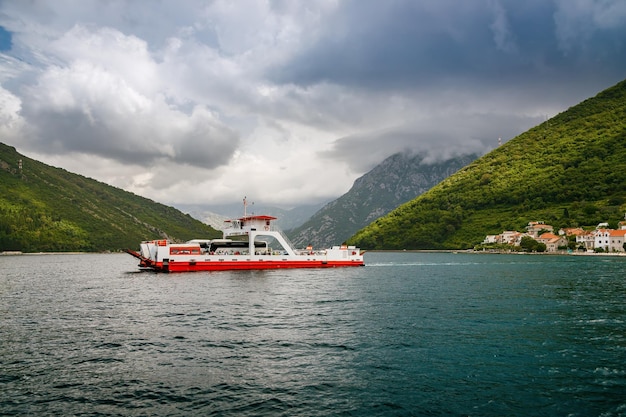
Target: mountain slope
{"type": "Point", "coordinates": [569, 170]}
{"type": "Point", "coordinates": [43, 208]}
{"type": "Point", "coordinates": [396, 180]}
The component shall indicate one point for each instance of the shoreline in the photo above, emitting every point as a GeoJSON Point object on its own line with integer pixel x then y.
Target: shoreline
{"type": "Point", "coordinates": [471, 251]}
{"type": "Point", "coordinates": [20, 253]}
{"type": "Point", "coordinates": [468, 251]}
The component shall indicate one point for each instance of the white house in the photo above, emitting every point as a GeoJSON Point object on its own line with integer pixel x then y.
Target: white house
{"type": "Point", "coordinates": [610, 240]}
{"type": "Point", "coordinates": [586, 240]}
{"type": "Point", "coordinates": [490, 239]}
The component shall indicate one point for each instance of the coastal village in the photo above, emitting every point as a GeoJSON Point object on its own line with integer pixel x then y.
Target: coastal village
{"type": "Point", "coordinates": [602, 239]}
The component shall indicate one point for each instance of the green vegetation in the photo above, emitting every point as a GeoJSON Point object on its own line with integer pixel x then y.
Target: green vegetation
{"type": "Point", "coordinates": [528, 244]}
{"type": "Point", "coordinates": [45, 209]}
{"type": "Point", "coordinates": [568, 171]}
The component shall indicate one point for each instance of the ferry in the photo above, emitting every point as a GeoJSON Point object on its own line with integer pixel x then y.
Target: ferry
{"type": "Point", "coordinates": [245, 245]}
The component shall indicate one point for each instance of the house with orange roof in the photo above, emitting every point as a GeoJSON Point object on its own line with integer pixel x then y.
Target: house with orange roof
{"type": "Point", "coordinates": [552, 241]}
{"type": "Point", "coordinates": [572, 231]}
{"type": "Point", "coordinates": [602, 237]}
{"type": "Point", "coordinates": [535, 228]}
{"type": "Point", "coordinates": [610, 240]}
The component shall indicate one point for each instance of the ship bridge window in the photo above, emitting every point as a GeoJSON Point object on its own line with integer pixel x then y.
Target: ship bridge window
{"type": "Point", "coordinates": [184, 251]}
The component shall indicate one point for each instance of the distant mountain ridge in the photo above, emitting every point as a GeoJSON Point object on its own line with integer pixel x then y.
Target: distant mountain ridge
{"type": "Point", "coordinates": [45, 209]}
{"type": "Point", "coordinates": [568, 171]}
{"type": "Point", "coordinates": [398, 179]}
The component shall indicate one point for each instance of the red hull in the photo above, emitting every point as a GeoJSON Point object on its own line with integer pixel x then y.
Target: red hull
{"type": "Point", "coordinates": [251, 265]}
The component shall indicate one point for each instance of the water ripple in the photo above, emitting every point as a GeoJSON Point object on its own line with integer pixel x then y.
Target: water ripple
{"type": "Point", "coordinates": [409, 334]}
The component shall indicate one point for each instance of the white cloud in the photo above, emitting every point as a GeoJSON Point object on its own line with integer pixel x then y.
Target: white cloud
{"type": "Point", "coordinates": [111, 104]}
{"type": "Point", "coordinates": [11, 123]}
{"type": "Point", "coordinates": [125, 56]}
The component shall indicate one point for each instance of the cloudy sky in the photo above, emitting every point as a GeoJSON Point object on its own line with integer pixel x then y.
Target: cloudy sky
{"type": "Point", "coordinates": [285, 101]}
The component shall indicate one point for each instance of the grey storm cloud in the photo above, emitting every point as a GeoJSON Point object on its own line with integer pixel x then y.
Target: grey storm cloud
{"type": "Point", "coordinates": [410, 44]}
{"type": "Point", "coordinates": [201, 143]}
{"type": "Point", "coordinates": [473, 133]}
{"type": "Point", "coordinates": [121, 125]}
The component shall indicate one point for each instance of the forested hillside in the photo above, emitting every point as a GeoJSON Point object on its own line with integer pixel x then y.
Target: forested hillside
{"type": "Point", "coordinates": [43, 208]}
{"type": "Point", "coordinates": [567, 171]}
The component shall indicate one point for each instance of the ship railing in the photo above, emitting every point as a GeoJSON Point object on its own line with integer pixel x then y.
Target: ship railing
{"type": "Point", "coordinates": [284, 236]}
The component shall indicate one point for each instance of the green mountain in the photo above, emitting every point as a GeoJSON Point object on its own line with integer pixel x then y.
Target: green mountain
{"type": "Point", "coordinates": [396, 180]}
{"type": "Point", "coordinates": [43, 208]}
{"type": "Point", "coordinates": [567, 171]}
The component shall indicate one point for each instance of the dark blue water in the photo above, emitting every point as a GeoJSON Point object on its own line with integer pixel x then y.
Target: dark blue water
{"type": "Point", "coordinates": [409, 334]}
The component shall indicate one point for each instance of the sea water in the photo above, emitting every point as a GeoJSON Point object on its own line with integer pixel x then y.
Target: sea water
{"type": "Point", "coordinates": [409, 334]}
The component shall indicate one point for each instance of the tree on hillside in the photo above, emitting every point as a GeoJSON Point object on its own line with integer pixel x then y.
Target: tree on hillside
{"type": "Point", "coordinates": [528, 244]}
